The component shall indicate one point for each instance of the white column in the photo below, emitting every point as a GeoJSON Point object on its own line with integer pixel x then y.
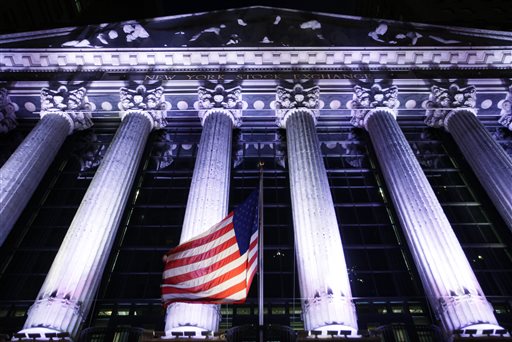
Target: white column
{"type": "Point", "coordinates": [323, 277]}
{"type": "Point", "coordinates": [22, 172]}
{"type": "Point", "coordinates": [450, 284]}
{"type": "Point", "coordinates": [70, 286]}
{"type": "Point", "coordinates": [209, 194]}
{"type": "Point", "coordinates": [488, 160]}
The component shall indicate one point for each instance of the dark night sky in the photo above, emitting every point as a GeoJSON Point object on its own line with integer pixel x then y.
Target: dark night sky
{"type": "Point", "coordinates": [27, 15]}
{"type": "Point", "coordinates": [476, 13]}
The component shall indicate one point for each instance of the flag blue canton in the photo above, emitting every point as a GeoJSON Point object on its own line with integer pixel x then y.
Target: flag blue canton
{"type": "Point", "coordinates": [245, 221]}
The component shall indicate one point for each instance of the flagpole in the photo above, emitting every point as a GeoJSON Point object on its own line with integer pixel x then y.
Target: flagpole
{"type": "Point", "coordinates": [260, 253]}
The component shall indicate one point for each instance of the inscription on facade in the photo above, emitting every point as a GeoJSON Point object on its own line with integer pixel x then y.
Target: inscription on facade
{"type": "Point", "coordinates": [252, 76]}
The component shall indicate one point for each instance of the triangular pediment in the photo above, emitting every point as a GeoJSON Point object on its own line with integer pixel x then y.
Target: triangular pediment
{"type": "Point", "coordinates": [256, 27]}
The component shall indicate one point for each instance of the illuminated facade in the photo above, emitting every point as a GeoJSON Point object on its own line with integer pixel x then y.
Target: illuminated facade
{"type": "Point", "coordinates": [387, 167]}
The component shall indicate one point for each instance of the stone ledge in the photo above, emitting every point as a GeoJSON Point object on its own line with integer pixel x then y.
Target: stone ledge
{"type": "Point", "coordinates": [154, 59]}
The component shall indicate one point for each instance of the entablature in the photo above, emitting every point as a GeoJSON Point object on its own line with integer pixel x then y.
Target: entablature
{"type": "Point", "coordinates": [254, 59]}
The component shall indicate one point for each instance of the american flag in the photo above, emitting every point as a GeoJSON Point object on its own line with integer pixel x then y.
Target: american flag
{"type": "Point", "coordinates": [217, 266]}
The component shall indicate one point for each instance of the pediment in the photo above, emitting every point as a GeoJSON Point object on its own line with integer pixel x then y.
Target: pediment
{"type": "Point", "coordinates": [257, 27]}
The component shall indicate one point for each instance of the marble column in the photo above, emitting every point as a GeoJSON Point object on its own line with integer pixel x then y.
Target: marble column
{"type": "Point", "coordinates": [450, 284]}
{"type": "Point", "coordinates": [323, 277]}
{"type": "Point", "coordinates": [454, 109]}
{"type": "Point", "coordinates": [220, 111]}
{"type": "Point", "coordinates": [68, 291]}
{"type": "Point", "coordinates": [62, 112]}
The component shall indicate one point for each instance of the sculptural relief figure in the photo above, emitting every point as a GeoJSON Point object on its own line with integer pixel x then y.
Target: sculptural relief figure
{"type": "Point", "coordinates": [506, 110]}
{"type": "Point", "coordinates": [7, 112]}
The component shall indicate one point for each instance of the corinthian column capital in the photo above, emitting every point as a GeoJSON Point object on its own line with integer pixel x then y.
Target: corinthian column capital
{"type": "Point", "coordinates": [73, 105]}
{"type": "Point", "coordinates": [150, 103]}
{"type": "Point", "coordinates": [506, 110]}
{"type": "Point", "coordinates": [220, 100]}
{"type": "Point", "coordinates": [7, 112]}
{"type": "Point", "coordinates": [366, 101]}
{"type": "Point", "coordinates": [444, 102]}
{"type": "Point", "coordinates": [292, 100]}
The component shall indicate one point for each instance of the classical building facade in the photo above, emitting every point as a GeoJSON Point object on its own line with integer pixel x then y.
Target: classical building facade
{"type": "Point", "coordinates": [387, 166]}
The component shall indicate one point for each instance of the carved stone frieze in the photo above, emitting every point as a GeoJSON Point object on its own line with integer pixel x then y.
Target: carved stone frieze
{"type": "Point", "coordinates": [7, 112]}
{"type": "Point", "coordinates": [73, 105]}
{"type": "Point", "coordinates": [228, 101]}
{"type": "Point", "coordinates": [289, 100]}
{"type": "Point", "coordinates": [150, 103]}
{"type": "Point", "coordinates": [367, 99]}
{"type": "Point", "coordinates": [161, 59]}
{"type": "Point", "coordinates": [445, 101]}
{"type": "Point", "coordinates": [506, 110]}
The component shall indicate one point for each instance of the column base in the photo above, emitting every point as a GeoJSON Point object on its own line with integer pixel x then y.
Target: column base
{"type": "Point", "coordinates": [483, 329]}
{"type": "Point", "coordinates": [464, 311]}
{"type": "Point", "coordinates": [325, 312]}
{"type": "Point", "coordinates": [335, 330]}
{"type": "Point", "coordinates": [45, 334]}
{"type": "Point", "coordinates": [55, 315]}
{"type": "Point", "coordinates": [184, 317]}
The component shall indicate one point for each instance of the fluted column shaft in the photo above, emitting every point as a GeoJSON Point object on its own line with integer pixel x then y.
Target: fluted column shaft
{"type": "Point", "coordinates": [451, 286]}
{"type": "Point", "coordinates": [207, 205]}
{"type": "Point", "coordinates": [21, 174]}
{"type": "Point", "coordinates": [489, 161]}
{"type": "Point", "coordinates": [323, 277]}
{"type": "Point", "coordinates": [69, 288]}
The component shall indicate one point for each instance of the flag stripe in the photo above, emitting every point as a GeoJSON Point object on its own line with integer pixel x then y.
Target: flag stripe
{"type": "Point", "coordinates": [212, 285]}
{"type": "Point", "coordinates": [219, 236]}
{"type": "Point", "coordinates": [206, 255]}
{"type": "Point", "coordinates": [206, 236]}
{"type": "Point", "coordinates": [234, 293]}
{"type": "Point", "coordinates": [211, 292]}
{"type": "Point", "coordinates": [189, 268]}
{"type": "Point", "coordinates": [196, 273]}
{"type": "Point", "coordinates": [222, 273]}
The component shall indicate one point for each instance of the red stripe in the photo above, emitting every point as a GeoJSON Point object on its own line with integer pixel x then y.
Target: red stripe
{"type": "Point", "coordinates": [253, 259]}
{"type": "Point", "coordinates": [253, 244]}
{"type": "Point", "coordinates": [207, 285]}
{"type": "Point", "coordinates": [200, 257]}
{"type": "Point", "coordinates": [202, 271]}
{"type": "Point", "coordinates": [231, 291]}
{"type": "Point", "coordinates": [201, 241]}
{"type": "Point", "coordinates": [251, 276]}
{"type": "Point", "coordinates": [218, 298]}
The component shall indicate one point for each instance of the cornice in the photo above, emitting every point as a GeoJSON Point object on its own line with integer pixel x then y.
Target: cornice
{"type": "Point", "coordinates": [253, 59]}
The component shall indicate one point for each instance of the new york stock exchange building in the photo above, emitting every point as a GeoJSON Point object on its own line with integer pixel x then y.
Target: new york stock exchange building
{"type": "Point", "coordinates": [387, 175]}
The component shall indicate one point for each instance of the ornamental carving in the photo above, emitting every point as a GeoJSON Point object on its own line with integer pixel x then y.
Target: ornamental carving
{"type": "Point", "coordinates": [298, 97]}
{"type": "Point", "coordinates": [148, 102]}
{"type": "Point", "coordinates": [164, 151]}
{"type": "Point", "coordinates": [228, 100]}
{"type": "Point", "coordinates": [443, 101]}
{"type": "Point", "coordinates": [7, 112]}
{"type": "Point", "coordinates": [72, 104]}
{"type": "Point", "coordinates": [506, 110]}
{"type": "Point", "coordinates": [365, 100]}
